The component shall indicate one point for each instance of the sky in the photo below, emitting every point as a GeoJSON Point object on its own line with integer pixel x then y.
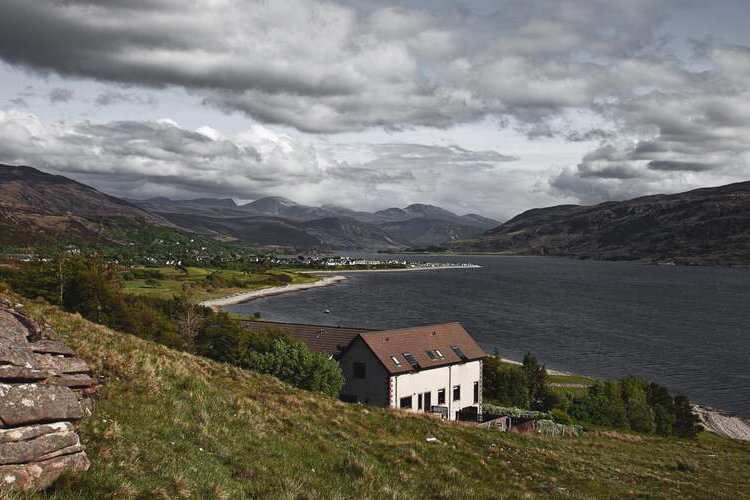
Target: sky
{"type": "Point", "coordinates": [489, 107]}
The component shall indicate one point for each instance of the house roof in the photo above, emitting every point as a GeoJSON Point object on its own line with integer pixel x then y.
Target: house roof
{"type": "Point", "coordinates": [417, 341]}
{"type": "Point", "coordinates": [325, 339]}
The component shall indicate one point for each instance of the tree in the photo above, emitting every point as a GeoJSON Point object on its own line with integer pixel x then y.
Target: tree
{"type": "Point", "coordinates": [687, 423]}
{"type": "Point", "coordinates": [295, 364]}
{"type": "Point", "coordinates": [92, 290]}
{"type": "Point", "coordinates": [190, 316]}
{"type": "Point", "coordinates": [664, 410]}
{"type": "Point", "coordinates": [505, 384]}
{"type": "Point", "coordinates": [640, 415]}
{"type": "Point", "coordinates": [536, 376]}
{"type": "Point", "coordinates": [221, 338]}
{"type": "Point", "coordinates": [602, 406]}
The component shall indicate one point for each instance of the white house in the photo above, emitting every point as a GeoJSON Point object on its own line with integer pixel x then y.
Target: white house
{"type": "Point", "coordinates": [434, 368]}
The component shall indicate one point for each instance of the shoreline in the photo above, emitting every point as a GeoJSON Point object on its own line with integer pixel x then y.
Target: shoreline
{"type": "Point", "coordinates": [242, 297]}
{"type": "Point", "coordinates": [395, 270]}
{"type": "Point", "coordinates": [721, 423]}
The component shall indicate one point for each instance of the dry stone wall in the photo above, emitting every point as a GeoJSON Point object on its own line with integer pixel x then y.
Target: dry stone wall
{"type": "Point", "coordinates": [44, 389]}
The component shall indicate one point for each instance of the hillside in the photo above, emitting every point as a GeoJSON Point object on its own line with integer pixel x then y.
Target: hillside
{"type": "Point", "coordinates": [171, 424]}
{"type": "Point", "coordinates": [704, 226]}
{"type": "Point", "coordinates": [37, 207]}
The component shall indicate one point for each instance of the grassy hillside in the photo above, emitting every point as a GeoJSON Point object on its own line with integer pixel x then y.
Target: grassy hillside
{"type": "Point", "coordinates": [175, 425]}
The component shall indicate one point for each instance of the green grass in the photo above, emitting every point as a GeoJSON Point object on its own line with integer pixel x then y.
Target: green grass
{"type": "Point", "coordinates": [170, 425]}
{"type": "Point", "coordinates": [175, 279]}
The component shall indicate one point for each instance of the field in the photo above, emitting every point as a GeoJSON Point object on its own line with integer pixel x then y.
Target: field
{"type": "Point", "coordinates": [173, 425]}
{"type": "Point", "coordinates": [206, 283]}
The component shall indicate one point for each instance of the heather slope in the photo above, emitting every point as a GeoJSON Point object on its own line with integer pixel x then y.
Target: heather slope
{"type": "Point", "coordinates": [172, 424]}
{"type": "Point", "coordinates": [704, 226]}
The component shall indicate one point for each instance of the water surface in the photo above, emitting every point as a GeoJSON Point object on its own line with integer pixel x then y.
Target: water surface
{"type": "Point", "coordinates": [685, 327]}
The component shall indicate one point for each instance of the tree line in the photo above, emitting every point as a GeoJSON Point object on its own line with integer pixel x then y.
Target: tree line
{"type": "Point", "coordinates": [93, 287]}
{"type": "Point", "coordinates": [631, 403]}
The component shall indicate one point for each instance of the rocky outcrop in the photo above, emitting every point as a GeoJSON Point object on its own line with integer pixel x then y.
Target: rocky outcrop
{"type": "Point", "coordinates": [44, 388]}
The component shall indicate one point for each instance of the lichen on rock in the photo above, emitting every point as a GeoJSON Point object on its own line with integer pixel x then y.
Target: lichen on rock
{"type": "Point", "coordinates": [44, 388]}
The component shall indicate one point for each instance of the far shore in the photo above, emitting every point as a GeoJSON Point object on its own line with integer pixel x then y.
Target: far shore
{"type": "Point", "coordinates": [394, 270]}
{"type": "Point", "coordinates": [241, 297]}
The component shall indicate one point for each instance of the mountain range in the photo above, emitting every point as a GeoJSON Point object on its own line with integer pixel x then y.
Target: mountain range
{"type": "Point", "coordinates": [703, 226]}
{"type": "Point", "coordinates": [36, 206]}
{"type": "Point", "coordinates": [280, 221]}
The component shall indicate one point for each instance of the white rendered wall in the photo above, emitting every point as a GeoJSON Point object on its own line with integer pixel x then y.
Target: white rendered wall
{"type": "Point", "coordinates": [413, 384]}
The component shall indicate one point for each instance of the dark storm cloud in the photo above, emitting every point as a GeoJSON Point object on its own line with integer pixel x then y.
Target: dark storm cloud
{"type": "Point", "coordinates": [679, 166]}
{"type": "Point", "coordinates": [111, 97]}
{"type": "Point", "coordinates": [337, 66]}
{"type": "Point", "coordinates": [58, 95]}
{"type": "Point", "coordinates": [19, 102]}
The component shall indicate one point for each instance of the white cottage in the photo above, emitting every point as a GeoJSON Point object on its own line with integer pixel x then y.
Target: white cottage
{"type": "Point", "coordinates": [434, 368]}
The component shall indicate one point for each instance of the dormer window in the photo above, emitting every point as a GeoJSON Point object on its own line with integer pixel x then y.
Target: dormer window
{"type": "Point", "coordinates": [434, 355]}
{"type": "Point", "coordinates": [459, 352]}
{"type": "Point", "coordinates": [410, 359]}
{"type": "Point", "coordinates": [395, 361]}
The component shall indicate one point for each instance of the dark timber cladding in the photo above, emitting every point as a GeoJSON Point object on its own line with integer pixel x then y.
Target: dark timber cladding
{"type": "Point", "coordinates": [428, 346]}
{"type": "Point", "coordinates": [326, 339]}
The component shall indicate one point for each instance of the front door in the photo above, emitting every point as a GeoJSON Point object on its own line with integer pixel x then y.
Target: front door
{"type": "Point", "coordinates": [427, 401]}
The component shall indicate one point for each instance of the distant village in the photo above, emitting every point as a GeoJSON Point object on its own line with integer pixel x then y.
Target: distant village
{"type": "Point", "coordinates": [192, 253]}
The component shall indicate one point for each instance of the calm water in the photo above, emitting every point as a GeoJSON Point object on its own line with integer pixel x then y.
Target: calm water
{"type": "Point", "coordinates": [687, 328]}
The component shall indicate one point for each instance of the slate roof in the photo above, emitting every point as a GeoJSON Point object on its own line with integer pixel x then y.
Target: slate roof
{"type": "Point", "coordinates": [326, 339]}
{"type": "Point", "coordinates": [417, 341]}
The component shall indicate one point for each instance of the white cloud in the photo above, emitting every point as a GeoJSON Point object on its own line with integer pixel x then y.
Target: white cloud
{"type": "Point", "coordinates": [159, 158]}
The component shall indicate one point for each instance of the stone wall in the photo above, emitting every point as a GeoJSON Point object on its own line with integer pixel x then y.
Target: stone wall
{"type": "Point", "coordinates": [44, 388]}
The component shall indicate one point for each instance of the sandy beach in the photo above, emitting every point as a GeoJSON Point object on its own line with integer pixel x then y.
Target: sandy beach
{"type": "Point", "coordinates": [241, 297]}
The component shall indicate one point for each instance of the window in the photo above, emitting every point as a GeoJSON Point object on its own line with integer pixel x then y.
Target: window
{"type": "Point", "coordinates": [441, 396]}
{"type": "Point", "coordinates": [476, 392]}
{"type": "Point", "coordinates": [433, 355]}
{"type": "Point", "coordinates": [459, 352]}
{"type": "Point", "coordinates": [410, 359]}
{"type": "Point", "coordinates": [419, 402]}
{"type": "Point", "coordinates": [405, 402]}
{"type": "Point", "coordinates": [456, 392]}
{"type": "Point", "coordinates": [360, 370]}
{"type": "Point", "coordinates": [395, 361]}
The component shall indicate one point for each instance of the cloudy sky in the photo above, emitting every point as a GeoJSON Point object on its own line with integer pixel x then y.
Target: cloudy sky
{"type": "Point", "coordinates": [487, 106]}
